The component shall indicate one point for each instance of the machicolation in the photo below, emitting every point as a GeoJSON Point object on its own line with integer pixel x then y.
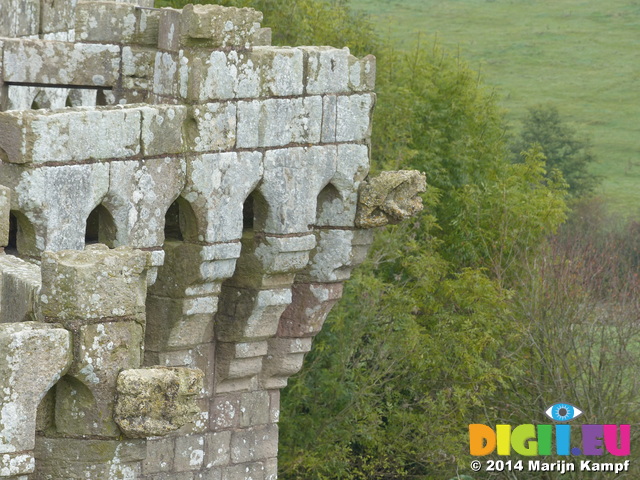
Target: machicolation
{"type": "Point", "coordinates": [179, 207]}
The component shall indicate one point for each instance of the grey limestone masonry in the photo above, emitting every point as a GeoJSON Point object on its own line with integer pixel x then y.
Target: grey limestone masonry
{"type": "Point", "coordinates": [180, 203]}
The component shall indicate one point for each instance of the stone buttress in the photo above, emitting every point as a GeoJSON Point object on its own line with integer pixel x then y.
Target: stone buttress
{"type": "Point", "coordinates": [179, 207]}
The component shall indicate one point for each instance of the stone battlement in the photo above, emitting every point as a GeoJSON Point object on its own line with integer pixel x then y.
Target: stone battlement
{"type": "Point", "coordinates": [180, 203]}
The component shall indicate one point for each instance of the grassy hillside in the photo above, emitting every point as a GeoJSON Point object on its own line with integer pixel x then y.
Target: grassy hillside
{"type": "Point", "coordinates": [581, 55]}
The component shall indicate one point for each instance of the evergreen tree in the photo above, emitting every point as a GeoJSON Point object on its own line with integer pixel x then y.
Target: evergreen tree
{"type": "Point", "coordinates": [562, 147]}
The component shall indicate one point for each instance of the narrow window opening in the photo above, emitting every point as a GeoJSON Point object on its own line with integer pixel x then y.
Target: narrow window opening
{"type": "Point", "coordinates": [12, 247]}
{"type": "Point", "coordinates": [254, 212]}
{"type": "Point", "coordinates": [100, 227]}
{"type": "Point", "coordinates": [247, 213]}
{"type": "Point", "coordinates": [180, 222]}
{"type": "Point", "coordinates": [101, 99]}
{"type": "Point", "coordinates": [172, 229]}
{"type": "Point", "coordinates": [22, 236]}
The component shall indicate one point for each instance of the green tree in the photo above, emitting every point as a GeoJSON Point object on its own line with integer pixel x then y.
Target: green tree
{"type": "Point", "coordinates": [562, 147]}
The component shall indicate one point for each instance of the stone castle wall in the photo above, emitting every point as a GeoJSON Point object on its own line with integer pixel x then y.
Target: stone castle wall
{"type": "Point", "coordinates": [179, 206]}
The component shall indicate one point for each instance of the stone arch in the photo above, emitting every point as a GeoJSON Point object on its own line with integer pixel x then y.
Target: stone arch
{"type": "Point", "coordinates": [100, 227]}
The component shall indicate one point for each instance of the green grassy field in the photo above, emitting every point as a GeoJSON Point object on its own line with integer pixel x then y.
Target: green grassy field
{"type": "Point", "coordinates": [581, 55]}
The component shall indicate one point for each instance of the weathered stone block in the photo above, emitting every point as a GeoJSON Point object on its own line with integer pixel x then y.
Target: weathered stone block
{"type": "Point", "coordinates": [224, 412]}
{"type": "Point", "coordinates": [182, 269]}
{"type": "Point", "coordinates": [215, 26]}
{"type": "Point", "coordinates": [212, 127]}
{"type": "Point", "coordinates": [270, 71]}
{"type": "Point", "coordinates": [189, 453]}
{"type": "Point", "coordinates": [212, 75]}
{"type": "Point", "coordinates": [217, 451]}
{"type": "Point", "coordinates": [217, 185]}
{"type": "Point", "coordinates": [94, 283]}
{"type": "Point", "coordinates": [19, 287]}
{"type": "Point", "coordinates": [259, 72]}
{"type": "Point", "coordinates": [61, 63]}
{"type": "Point", "coordinates": [274, 412]}
{"type": "Point", "coordinates": [329, 117]}
{"type": "Point", "coordinates": [161, 130]}
{"type": "Point", "coordinates": [90, 450]}
{"type": "Point", "coordinates": [169, 29]}
{"type": "Point", "coordinates": [231, 367]}
{"type": "Point", "coordinates": [138, 68]}
{"type": "Point", "coordinates": [160, 453]}
{"type": "Point", "coordinates": [200, 356]}
{"type": "Point", "coordinates": [252, 316]}
{"type": "Point", "coordinates": [56, 16]}
{"type": "Point", "coordinates": [5, 209]}
{"type": "Point", "coordinates": [169, 327]}
{"type": "Point", "coordinates": [110, 22]}
{"type": "Point", "coordinates": [337, 254]}
{"type": "Point", "coordinates": [284, 359]}
{"type": "Point", "coordinates": [170, 75]}
{"type": "Point", "coordinates": [20, 18]}
{"type": "Point", "coordinates": [353, 117]}
{"type": "Point", "coordinates": [24, 345]}
{"type": "Point", "coordinates": [310, 305]}
{"type": "Point", "coordinates": [147, 26]}
{"type": "Point", "coordinates": [284, 254]}
{"type": "Point", "coordinates": [292, 180]}
{"type": "Point", "coordinates": [141, 192]}
{"type": "Point", "coordinates": [271, 469]}
{"type": "Point", "coordinates": [81, 459]}
{"type": "Point", "coordinates": [255, 443]}
{"type": "Point", "coordinates": [362, 73]}
{"type": "Point", "coordinates": [327, 70]}
{"type": "Point", "coordinates": [105, 22]}
{"type": "Point", "coordinates": [239, 360]}
{"type": "Point", "coordinates": [156, 401]}
{"type": "Point", "coordinates": [255, 471]}
{"type": "Point", "coordinates": [332, 260]}
{"type": "Point", "coordinates": [54, 204]}
{"type": "Point", "coordinates": [278, 122]}
{"type": "Point", "coordinates": [72, 135]}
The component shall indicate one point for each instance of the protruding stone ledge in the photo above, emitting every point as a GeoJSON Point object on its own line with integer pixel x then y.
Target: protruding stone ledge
{"type": "Point", "coordinates": [156, 401]}
{"type": "Point", "coordinates": [94, 283]}
{"type": "Point", "coordinates": [390, 198]}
